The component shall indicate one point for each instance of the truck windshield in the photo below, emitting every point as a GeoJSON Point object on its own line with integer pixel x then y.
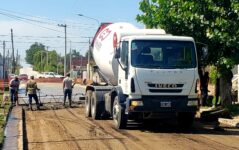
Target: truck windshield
{"type": "Point", "coordinates": [165, 54]}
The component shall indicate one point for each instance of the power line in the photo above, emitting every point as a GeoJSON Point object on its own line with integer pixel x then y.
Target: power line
{"type": "Point", "coordinates": [53, 21]}
{"type": "Point", "coordinates": [26, 20]}
{"type": "Point", "coordinates": [11, 16]}
{"type": "Point", "coordinates": [30, 36]}
{"type": "Point", "coordinates": [44, 18]}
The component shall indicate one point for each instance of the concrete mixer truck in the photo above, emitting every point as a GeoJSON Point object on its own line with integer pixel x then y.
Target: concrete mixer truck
{"type": "Point", "coordinates": [142, 74]}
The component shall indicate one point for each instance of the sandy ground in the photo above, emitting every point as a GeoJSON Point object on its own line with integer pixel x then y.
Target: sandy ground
{"type": "Point", "coordinates": [69, 129]}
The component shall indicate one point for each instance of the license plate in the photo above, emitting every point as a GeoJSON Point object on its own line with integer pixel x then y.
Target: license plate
{"type": "Point", "coordinates": [165, 104]}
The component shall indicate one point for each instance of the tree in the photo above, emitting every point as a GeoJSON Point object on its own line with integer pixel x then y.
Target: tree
{"type": "Point", "coordinates": [34, 48]}
{"type": "Point", "coordinates": [213, 22]}
{"type": "Point", "coordinates": [44, 60]}
{"type": "Point", "coordinates": [37, 61]}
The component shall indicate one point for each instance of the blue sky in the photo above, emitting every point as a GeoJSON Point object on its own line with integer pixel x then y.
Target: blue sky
{"type": "Point", "coordinates": [36, 20]}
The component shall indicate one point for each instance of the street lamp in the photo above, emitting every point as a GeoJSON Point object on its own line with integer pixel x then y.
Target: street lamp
{"type": "Point", "coordinates": [88, 64]}
{"type": "Point", "coordinates": [64, 25]}
{"type": "Point", "coordinates": [81, 15]}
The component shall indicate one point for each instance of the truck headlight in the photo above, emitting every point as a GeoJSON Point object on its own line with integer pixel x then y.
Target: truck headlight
{"type": "Point", "coordinates": [136, 103]}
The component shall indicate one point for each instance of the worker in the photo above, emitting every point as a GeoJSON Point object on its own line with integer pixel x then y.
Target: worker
{"type": "Point", "coordinates": [14, 87]}
{"type": "Point", "coordinates": [204, 88]}
{"type": "Point", "coordinates": [67, 88]}
{"type": "Point", "coordinates": [31, 90]}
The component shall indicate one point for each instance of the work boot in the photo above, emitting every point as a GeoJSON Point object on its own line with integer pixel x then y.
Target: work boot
{"type": "Point", "coordinates": [30, 107]}
{"type": "Point", "coordinates": [70, 103]}
{"type": "Point", "coordinates": [38, 107]}
{"type": "Point", "coordinates": [64, 104]}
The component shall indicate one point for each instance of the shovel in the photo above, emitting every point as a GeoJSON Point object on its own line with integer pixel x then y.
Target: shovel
{"type": "Point", "coordinates": [40, 103]}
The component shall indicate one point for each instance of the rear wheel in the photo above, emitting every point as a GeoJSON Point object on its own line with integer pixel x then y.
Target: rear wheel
{"type": "Point", "coordinates": [97, 106]}
{"type": "Point", "coordinates": [88, 103]}
{"type": "Point", "coordinates": [119, 116]}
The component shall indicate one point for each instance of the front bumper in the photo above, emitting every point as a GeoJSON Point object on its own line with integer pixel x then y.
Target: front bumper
{"type": "Point", "coordinates": [162, 106]}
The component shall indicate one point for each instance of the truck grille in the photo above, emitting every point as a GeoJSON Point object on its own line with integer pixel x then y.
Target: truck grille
{"type": "Point", "coordinates": [165, 88]}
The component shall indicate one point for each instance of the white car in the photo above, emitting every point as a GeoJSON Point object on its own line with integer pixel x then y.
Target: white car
{"type": "Point", "coordinates": [58, 75]}
{"type": "Point", "coordinates": [50, 75]}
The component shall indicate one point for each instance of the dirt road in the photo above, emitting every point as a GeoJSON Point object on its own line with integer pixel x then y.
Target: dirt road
{"type": "Point", "coordinates": [69, 129]}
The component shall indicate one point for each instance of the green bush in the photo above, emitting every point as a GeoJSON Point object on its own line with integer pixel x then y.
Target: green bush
{"type": "Point", "coordinates": [211, 100]}
{"type": "Point", "coordinates": [213, 74]}
{"type": "Point", "coordinates": [3, 120]}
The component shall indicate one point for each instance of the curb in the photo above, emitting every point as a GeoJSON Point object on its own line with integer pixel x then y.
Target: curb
{"type": "Point", "coordinates": [13, 131]}
{"type": "Point", "coordinates": [24, 131]}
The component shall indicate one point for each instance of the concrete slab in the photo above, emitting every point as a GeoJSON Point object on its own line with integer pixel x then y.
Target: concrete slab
{"type": "Point", "coordinates": [13, 132]}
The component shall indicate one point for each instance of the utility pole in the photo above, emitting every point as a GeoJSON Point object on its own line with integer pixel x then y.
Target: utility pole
{"type": "Point", "coordinates": [80, 59]}
{"type": "Point", "coordinates": [13, 58]}
{"type": "Point", "coordinates": [4, 46]}
{"type": "Point", "coordinates": [17, 59]}
{"type": "Point", "coordinates": [64, 25]}
{"type": "Point", "coordinates": [70, 57]}
{"type": "Point", "coordinates": [8, 59]}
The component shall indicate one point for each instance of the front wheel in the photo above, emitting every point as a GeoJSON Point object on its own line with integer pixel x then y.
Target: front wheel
{"type": "Point", "coordinates": [88, 103]}
{"type": "Point", "coordinates": [119, 116]}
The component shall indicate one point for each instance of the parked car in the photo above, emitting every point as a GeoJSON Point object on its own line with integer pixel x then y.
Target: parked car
{"type": "Point", "coordinates": [49, 75]}
{"type": "Point", "coordinates": [58, 75]}
{"type": "Point", "coordinates": [23, 77]}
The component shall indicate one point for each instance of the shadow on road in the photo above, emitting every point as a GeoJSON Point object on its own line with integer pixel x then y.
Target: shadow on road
{"type": "Point", "coordinates": [198, 127]}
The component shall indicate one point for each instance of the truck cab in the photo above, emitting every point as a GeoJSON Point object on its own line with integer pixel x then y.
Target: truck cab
{"type": "Point", "coordinates": [159, 74]}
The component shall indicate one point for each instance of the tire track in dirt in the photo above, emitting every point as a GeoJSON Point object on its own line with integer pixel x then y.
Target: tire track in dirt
{"type": "Point", "coordinates": [112, 131]}
{"type": "Point", "coordinates": [93, 130]}
{"type": "Point", "coordinates": [30, 129]}
{"type": "Point", "coordinates": [66, 130]}
{"type": "Point", "coordinates": [96, 125]}
{"type": "Point", "coordinates": [209, 142]}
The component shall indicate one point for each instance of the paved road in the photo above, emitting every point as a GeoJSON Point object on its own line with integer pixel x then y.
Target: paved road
{"type": "Point", "coordinates": [67, 128]}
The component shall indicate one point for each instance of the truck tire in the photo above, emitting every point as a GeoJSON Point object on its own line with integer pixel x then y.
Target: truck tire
{"type": "Point", "coordinates": [88, 103]}
{"type": "Point", "coordinates": [185, 121]}
{"type": "Point", "coordinates": [97, 107]}
{"type": "Point", "coordinates": [119, 116]}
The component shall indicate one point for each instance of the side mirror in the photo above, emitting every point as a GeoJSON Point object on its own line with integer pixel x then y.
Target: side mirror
{"type": "Point", "coordinates": [117, 53]}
